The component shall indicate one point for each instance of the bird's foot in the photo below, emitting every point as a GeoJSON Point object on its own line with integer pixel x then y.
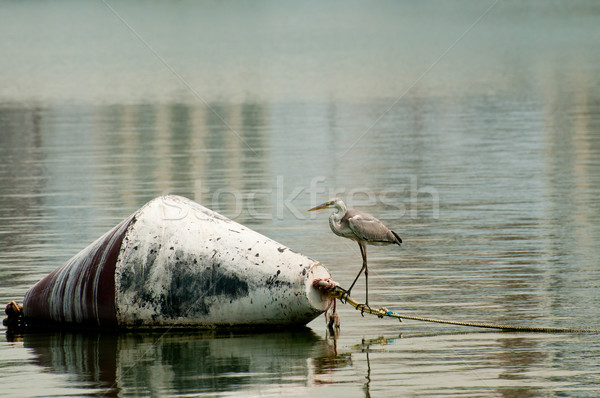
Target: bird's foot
{"type": "Point", "coordinates": [363, 308]}
{"type": "Point", "coordinates": [344, 296]}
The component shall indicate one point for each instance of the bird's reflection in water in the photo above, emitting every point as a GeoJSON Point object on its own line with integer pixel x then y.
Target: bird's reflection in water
{"type": "Point", "coordinates": [365, 346]}
{"type": "Point", "coordinates": [187, 362]}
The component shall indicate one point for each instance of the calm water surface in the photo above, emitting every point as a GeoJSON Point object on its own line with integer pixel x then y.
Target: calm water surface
{"type": "Point", "coordinates": [472, 131]}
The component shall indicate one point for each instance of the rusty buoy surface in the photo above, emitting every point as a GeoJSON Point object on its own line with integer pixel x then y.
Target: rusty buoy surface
{"type": "Point", "coordinates": [176, 263]}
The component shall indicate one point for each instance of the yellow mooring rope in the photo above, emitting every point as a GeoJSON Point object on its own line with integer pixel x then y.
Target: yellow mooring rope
{"type": "Point", "coordinates": [337, 292]}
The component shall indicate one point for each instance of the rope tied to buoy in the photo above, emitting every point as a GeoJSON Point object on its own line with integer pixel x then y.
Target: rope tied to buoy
{"type": "Point", "coordinates": [334, 290]}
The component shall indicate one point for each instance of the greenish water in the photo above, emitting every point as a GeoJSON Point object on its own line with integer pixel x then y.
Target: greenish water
{"type": "Point", "coordinates": [470, 128]}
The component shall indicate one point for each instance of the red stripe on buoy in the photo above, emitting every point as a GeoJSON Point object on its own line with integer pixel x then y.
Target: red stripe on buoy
{"type": "Point", "coordinates": [82, 291]}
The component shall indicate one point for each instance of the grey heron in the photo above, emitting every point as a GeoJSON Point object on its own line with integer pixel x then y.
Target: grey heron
{"type": "Point", "coordinates": [361, 227]}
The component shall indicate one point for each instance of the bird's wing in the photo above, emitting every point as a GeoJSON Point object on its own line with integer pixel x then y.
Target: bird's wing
{"type": "Point", "coordinates": [369, 228]}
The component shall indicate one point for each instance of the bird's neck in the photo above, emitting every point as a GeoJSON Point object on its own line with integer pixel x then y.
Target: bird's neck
{"type": "Point", "coordinates": [339, 212]}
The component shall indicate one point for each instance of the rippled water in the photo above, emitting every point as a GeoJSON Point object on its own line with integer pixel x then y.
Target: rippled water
{"type": "Point", "coordinates": [472, 129]}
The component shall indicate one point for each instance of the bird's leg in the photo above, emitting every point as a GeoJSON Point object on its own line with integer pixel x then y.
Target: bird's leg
{"type": "Point", "coordinates": [361, 270]}
{"type": "Point", "coordinates": [355, 279]}
{"type": "Point", "coordinates": [363, 252]}
{"type": "Point", "coordinates": [366, 280]}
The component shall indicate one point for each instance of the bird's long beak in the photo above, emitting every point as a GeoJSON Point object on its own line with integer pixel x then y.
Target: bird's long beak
{"type": "Point", "coordinates": [321, 206]}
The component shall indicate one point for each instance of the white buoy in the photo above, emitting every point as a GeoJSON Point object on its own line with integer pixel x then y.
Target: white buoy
{"type": "Point", "coordinates": [177, 263]}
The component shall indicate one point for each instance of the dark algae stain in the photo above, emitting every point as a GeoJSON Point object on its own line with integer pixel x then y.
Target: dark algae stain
{"type": "Point", "coordinates": [192, 289]}
{"type": "Point", "coordinates": [193, 285]}
{"type": "Point", "coordinates": [136, 277]}
{"type": "Point", "coordinates": [274, 281]}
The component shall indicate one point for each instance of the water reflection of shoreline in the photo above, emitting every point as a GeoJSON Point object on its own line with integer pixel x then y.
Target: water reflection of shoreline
{"type": "Point", "coordinates": [191, 362]}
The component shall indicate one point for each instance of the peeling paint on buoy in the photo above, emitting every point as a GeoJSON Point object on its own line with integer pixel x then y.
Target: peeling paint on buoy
{"type": "Point", "coordinates": [177, 263]}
